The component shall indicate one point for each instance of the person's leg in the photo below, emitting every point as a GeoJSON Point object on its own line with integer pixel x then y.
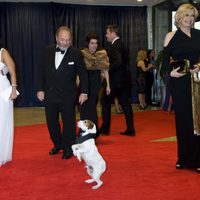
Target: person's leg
{"type": "Point", "coordinates": [125, 102]}
{"type": "Point", "coordinates": [118, 107]}
{"type": "Point", "coordinates": [144, 101]}
{"type": "Point", "coordinates": [106, 113]}
{"type": "Point", "coordinates": [169, 108]}
{"type": "Point", "coordinates": [69, 127]}
{"type": "Point", "coordinates": [89, 109]}
{"type": "Point", "coordinates": [141, 100]}
{"type": "Point", "coordinates": [52, 118]}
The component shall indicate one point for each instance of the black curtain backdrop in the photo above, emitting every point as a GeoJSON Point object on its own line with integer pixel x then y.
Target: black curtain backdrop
{"type": "Point", "coordinates": [26, 28]}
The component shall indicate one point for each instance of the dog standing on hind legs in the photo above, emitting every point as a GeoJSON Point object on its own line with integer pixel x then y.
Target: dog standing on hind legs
{"type": "Point", "coordinates": [86, 149]}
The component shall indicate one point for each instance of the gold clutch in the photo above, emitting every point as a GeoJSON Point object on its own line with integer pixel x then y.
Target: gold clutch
{"type": "Point", "coordinates": [183, 64]}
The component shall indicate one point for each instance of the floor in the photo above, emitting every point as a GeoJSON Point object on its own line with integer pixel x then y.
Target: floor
{"type": "Point", "coordinates": [35, 115]}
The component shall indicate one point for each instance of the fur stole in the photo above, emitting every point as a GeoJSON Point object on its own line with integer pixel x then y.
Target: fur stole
{"type": "Point", "coordinates": [98, 60]}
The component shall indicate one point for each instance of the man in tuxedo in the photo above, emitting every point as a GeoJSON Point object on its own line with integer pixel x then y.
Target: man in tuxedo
{"type": "Point", "coordinates": [60, 65]}
{"type": "Point", "coordinates": [118, 82]}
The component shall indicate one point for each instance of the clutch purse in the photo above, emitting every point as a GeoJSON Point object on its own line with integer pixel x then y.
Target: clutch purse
{"type": "Point", "coordinates": [183, 64]}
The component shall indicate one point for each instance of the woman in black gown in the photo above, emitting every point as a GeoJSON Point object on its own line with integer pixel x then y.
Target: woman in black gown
{"type": "Point", "coordinates": [184, 43]}
{"type": "Point", "coordinates": [149, 76]}
{"type": "Point", "coordinates": [142, 68]}
{"type": "Point", "coordinates": [97, 64]}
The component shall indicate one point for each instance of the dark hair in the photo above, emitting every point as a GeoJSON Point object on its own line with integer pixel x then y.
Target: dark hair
{"type": "Point", "coordinates": [2, 45]}
{"type": "Point", "coordinates": [149, 53]}
{"type": "Point", "coordinates": [91, 36]}
{"type": "Point", "coordinates": [114, 28]}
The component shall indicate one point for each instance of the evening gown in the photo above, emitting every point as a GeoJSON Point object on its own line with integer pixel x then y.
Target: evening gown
{"type": "Point", "coordinates": [6, 121]}
{"type": "Point", "coordinates": [180, 47]}
{"type": "Point", "coordinates": [89, 109]}
{"type": "Point", "coordinates": [141, 81]}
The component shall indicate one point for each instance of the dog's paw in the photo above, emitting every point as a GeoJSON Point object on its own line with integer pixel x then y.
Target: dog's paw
{"type": "Point", "coordinates": [79, 157]}
{"type": "Point", "coordinates": [74, 152]}
{"type": "Point", "coordinates": [97, 186]}
{"type": "Point", "coordinates": [89, 181]}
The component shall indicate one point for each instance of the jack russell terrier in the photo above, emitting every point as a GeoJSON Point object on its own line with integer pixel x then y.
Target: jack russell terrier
{"type": "Point", "coordinates": [86, 149]}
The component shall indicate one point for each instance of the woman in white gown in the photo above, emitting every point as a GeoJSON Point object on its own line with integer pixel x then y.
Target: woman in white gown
{"type": "Point", "coordinates": [6, 107]}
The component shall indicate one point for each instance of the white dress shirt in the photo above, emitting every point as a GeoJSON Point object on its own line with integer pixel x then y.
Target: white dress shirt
{"type": "Point", "coordinates": [58, 58]}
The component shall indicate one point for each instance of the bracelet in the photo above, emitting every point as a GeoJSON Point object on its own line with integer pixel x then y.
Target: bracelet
{"type": "Point", "coordinates": [14, 85]}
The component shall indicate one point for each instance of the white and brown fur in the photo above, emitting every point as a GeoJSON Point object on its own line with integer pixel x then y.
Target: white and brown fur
{"type": "Point", "coordinates": [88, 151]}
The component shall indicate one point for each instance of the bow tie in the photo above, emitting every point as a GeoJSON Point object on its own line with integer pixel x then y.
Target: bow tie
{"type": "Point", "coordinates": [59, 50]}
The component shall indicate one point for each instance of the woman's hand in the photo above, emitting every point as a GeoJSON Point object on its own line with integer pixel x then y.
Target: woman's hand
{"type": "Point", "coordinates": [195, 69]}
{"type": "Point", "coordinates": [174, 73]}
{"type": "Point", "coordinates": [150, 66]}
{"type": "Point", "coordinates": [108, 90]}
{"type": "Point", "coordinates": [13, 94]}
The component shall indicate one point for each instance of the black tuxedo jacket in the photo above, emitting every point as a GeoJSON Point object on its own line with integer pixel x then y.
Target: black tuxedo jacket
{"type": "Point", "coordinates": [59, 84]}
{"type": "Point", "coordinates": [118, 65]}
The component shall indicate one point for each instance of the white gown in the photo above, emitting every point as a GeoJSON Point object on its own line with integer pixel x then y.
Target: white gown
{"type": "Point", "coordinates": [6, 121]}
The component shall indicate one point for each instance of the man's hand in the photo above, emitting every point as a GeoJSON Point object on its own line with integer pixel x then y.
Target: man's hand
{"type": "Point", "coordinates": [82, 98]}
{"type": "Point", "coordinates": [40, 95]}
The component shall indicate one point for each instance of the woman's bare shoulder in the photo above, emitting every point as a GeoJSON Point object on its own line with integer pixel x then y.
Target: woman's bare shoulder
{"type": "Point", "coordinates": [168, 37]}
{"type": "Point", "coordinates": [140, 63]}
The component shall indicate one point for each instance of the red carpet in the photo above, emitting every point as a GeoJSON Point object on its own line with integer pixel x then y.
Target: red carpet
{"type": "Point", "coordinates": [138, 167]}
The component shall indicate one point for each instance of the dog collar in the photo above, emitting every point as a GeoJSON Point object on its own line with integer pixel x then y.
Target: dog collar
{"type": "Point", "coordinates": [82, 139]}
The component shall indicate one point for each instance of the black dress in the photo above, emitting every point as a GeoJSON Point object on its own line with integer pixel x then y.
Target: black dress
{"type": "Point", "coordinates": [141, 80]}
{"type": "Point", "coordinates": [89, 108]}
{"type": "Point", "coordinates": [180, 47]}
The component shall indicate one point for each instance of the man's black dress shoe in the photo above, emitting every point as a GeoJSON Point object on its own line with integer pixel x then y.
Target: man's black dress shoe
{"type": "Point", "coordinates": [54, 150]}
{"type": "Point", "coordinates": [128, 133]}
{"type": "Point", "coordinates": [198, 170]}
{"type": "Point", "coordinates": [179, 165]}
{"type": "Point", "coordinates": [66, 155]}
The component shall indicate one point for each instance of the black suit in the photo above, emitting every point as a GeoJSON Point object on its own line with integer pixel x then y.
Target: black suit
{"type": "Point", "coordinates": [119, 87]}
{"type": "Point", "coordinates": [59, 86]}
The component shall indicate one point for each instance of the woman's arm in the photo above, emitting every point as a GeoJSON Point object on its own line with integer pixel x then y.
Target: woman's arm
{"type": "Point", "coordinates": [7, 59]}
{"type": "Point", "coordinates": [106, 77]}
{"type": "Point", "coordinates": [166, 56]}
{"type": "Point", "coordinates": [141, 64]}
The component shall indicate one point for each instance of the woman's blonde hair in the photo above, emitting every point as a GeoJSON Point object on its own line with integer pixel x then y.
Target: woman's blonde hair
{"type": "Point", "coordinates": [180, 13]}
{"type": "Point", "coordinates": [141, 55]}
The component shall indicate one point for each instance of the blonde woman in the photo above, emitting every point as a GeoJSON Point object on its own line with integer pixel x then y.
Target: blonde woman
{"type": "Point", "coordinates": [142, 68]}
{"type": "Point", "coordinates": [183, 44]}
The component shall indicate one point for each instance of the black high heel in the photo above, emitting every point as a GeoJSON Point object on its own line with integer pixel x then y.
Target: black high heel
{"type": "Point", "coordinates": [118, 111]}
{"type": "Point", "coordinates": [141, 107]}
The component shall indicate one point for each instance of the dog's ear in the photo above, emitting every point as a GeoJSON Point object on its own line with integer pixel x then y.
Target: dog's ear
{"type": "Point", "coordinates": [90, 124]}
{"type": "Point", "coordinates": [91, 127]}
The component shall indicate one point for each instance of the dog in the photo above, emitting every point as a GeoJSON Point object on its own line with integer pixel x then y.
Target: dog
{"type": "Point", "coordinates": [86, 149]}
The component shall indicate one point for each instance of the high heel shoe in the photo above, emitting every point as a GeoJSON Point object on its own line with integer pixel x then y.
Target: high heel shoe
{"type": "Point", "coordinates": [142, 107]}
{"type": "Point", "coordinates": [118, 111]}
